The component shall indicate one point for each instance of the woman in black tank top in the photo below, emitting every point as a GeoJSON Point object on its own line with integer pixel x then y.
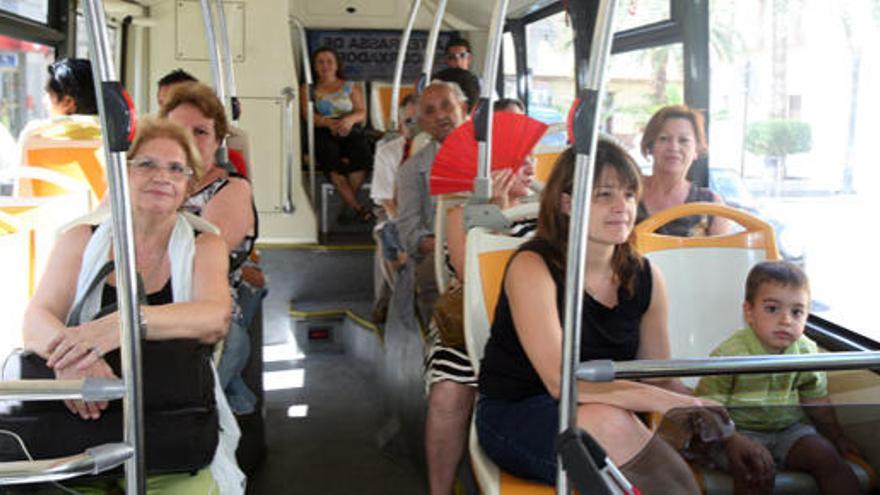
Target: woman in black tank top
{"type": "Point", "coordinates": [624, 318]}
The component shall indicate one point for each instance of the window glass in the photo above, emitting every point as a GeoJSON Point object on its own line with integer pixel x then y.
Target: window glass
{"type": "Point", "coordinates": [639, 83]}
{"type": "Point", "coordinates": [22, 79]}
{"type": "Point", "coordinates": [37, 10]}
{"type": "Point", "coordinates": [509, 66]}
{"type": "Point", "coordinates": [551, 62]}
{"type": "Point", "coordinates": [82, 40]}
{"type": "Point", "coordinates": [793, 88]}
{"type": "Point", "coordinates": [629, 14]}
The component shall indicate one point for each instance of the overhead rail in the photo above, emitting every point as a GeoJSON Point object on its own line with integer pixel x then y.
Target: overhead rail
{"type": "Point", "coordinates": [232, 104]}
{"type": "Point", "coordinates": [607, 370]}
{"type": "Point", "coordinates": [398, 67]}
{"type": "Point", "coordinates": [585, 127]}
{"type": "Point", "coordinates": [431, 47]}
{"type": "Point", "coordinates": [289, 114]}
{"type": "Point", "coordinates": [295, 23]}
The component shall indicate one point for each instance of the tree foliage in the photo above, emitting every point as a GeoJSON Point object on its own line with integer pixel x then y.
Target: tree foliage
{"type": "Point", "coordinates": [779, 137]}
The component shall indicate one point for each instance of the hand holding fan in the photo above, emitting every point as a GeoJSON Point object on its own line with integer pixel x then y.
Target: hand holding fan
{"type": "Point", "coordinates": [455, 166]}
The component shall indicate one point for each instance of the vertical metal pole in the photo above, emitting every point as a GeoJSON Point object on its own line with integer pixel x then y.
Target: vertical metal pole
{"type": "Point", "coordinates": [123, 248]}
{"type": "Point", "coordinates": [216, 69]}
{"type": "Point", "coordinates": [310, 103]}
{"type": "Point", "coordinates": [227, 67]}
{"type": "Point", "coordinates": [585, 129]}
{"type": "Point", "coordinates": [398, 66]}
{"type": "Point", "coordinates": [483, 124]}
{"type": "Point", "coordinates": [431, 47]}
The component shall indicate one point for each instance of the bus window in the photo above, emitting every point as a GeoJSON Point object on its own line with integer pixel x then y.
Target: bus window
{"type": "Point", "coordinates": [22, 78]}
{"type": "Point", "coordinates": [37, 10]}
{"type": "Point", "coordinates": [82, 39]}
{"type": "Point", "coordinates": [509, 66]}
{"type": "Point", "coordinates": [793, 116]}
{"type": "Point", "coordinates": [634, 13]}
{"type": "Point", "coordinates": [639, 83]}
{"type": "Point", "coordinates": [551, 60]}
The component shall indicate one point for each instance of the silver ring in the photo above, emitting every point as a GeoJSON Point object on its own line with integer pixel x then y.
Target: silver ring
{"type": "Point", "coordinates": [97, 352]}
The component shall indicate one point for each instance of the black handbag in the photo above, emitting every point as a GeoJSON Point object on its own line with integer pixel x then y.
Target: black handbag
{"type": "Point", "coordinates": [181, 425]}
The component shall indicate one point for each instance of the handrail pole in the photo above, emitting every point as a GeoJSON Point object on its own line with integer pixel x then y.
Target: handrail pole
{"type": "Point", "coordinates": [398, 66]}
{"type": "Point", "coordinates": [431, 47]}
{"type": "Point", "coordinates": [310, 104]}
{"type": "Point", "coordinates": [585, 130]}
{"type": "Point", "coordinates": [289, 97]}
{"type": "Point", "coordinates": [606, 370]}
{"type": "Point", "coordinates": [483, 117]}
{"type": "Point", "coordinates": [227, 68]}
{"type": "Point", "coordinates": [216, 69]}
{"type": "Point", "coordinates": [123, 249]}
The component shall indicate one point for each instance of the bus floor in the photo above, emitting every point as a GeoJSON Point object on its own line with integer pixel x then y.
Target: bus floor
{"type": "Point", "coordinates": [323, 410]}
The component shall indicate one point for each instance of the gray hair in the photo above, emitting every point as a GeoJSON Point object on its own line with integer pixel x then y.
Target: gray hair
{"type": "Point", "coordinates": [453, 88]}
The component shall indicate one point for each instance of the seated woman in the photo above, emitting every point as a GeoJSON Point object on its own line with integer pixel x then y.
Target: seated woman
{"type": "Point", "coordinates": [624, 318]}
{"type": "Point", "coordinates": [70, 88]}
{"type": "Point", "coordinates": [673, 139]}
{"type": "Point", "coordinates": [226, 200]}
{"type": "Point", "coordinates": [184, 275]}
{"type": "Point", "coordinates": [339, 112]}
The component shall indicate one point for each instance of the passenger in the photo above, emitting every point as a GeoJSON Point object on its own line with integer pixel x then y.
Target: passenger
{"type": "Point", "coordinates": [70, 89]}
{"type": "Point", "coordinates": [450, 375]}
{"type": "Point", "coordinates": [458, 54]}
{"type": "Point", "coordinates": [673, 139]}
{"type": "Point", "coordinates": [179, 76]}
{"type": "Point", "coordinates": [341, 147]}
{"type": "Point", "coordinates": [183, 275]}
{"type": "Point", "coordinates": [442, 108]}
{"type": "Point", "coordinates": [390, 255]}
{"type": "Point", "coordinates": [469, 84]}
{"type": "Point", "coordinates": [509, 105]}
{"type": "Point", "coordinates": [624, 318]}
{"type": "Point", "coordinates": [226, 200]}
{"type": "Point", "coordinates": [777, 301]}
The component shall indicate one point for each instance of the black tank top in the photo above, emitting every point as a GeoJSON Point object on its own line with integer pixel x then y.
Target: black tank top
{"type": "Point", "coordinates": [607, 333]}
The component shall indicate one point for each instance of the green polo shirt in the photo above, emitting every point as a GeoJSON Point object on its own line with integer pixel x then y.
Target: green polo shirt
{"type": "Point", "coordinates": [758, 401]}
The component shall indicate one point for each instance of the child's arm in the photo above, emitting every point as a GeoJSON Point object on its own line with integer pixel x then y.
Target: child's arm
{"type": "Point", "coordinates": [821, 412]}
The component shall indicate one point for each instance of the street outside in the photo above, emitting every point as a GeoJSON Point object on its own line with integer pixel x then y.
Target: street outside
{"type": "Point", "coordinates": [839, 234]}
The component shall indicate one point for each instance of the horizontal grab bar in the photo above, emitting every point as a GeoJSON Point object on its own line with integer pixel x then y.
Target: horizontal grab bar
{"type": "Point", "coordinates": [89, 389]}
{"type": "Point", "coordinates": [93, 461]}
{"type": "Point", "coordinates": [605, 370]}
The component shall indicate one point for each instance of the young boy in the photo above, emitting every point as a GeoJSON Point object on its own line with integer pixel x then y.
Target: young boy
{"type": "Point", "coordinates": [776, 304]}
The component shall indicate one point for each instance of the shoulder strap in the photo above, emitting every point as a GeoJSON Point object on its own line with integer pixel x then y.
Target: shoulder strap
{"type": "Point", "coordinates": [75, 317]}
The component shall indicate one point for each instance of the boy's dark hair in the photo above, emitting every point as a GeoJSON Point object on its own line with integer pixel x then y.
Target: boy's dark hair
{"type": "Point", "coordinates": [783, 273]}
{"type": "Point", "coordinates": [459, 42]}
{"type": "Point", "coordinates": [176, 76]}
{"type": "Point", "coordinates": [410, 99]}
{"type": "Point", "coordinates": [469, 83]}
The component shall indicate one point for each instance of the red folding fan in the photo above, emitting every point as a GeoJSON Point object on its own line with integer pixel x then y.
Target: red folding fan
{"type": "Point", "coordinates": [455, 166]}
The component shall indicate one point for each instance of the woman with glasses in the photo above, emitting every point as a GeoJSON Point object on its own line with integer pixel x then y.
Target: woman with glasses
{"type": "Point", "coordinates": [341, 147]}
{"type": "Point", "coordinates": [226, 200]}
{"type": "Point", "coordinates": [187, 308]}
{"type": "Point", "coordinates": [70, 88]}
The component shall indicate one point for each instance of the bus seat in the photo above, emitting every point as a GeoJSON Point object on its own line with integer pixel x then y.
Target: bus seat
{"type": "Point", "coordinates": [70, 145]}
{"type": "Point", "coordinates": [705, 280]}
{"type": "Point", "coordinates": [544, 165]}
{"type": "Point", "coordinates": [705, 276]}
{"type": "Point", "coordinates": [445, 203]}
{"type": "Point", "coordinates": [380, 103]}
{"type": "Point", "coordinates": [15, 244]}
{"type": "Point", "coordinates": [486, 258]}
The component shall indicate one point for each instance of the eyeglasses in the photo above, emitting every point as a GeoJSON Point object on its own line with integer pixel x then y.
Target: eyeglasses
{"type": "Point", "coordinates": [459, 55]}
{"type": "Point", "coordinates": [150, 166]}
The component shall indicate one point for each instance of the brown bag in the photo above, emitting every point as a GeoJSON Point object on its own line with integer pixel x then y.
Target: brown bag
{"type": "Point", "coordinates": [449, 317]}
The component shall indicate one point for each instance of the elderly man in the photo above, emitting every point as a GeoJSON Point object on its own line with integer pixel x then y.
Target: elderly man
{"type": "Point", "coordinates": [442, 108]}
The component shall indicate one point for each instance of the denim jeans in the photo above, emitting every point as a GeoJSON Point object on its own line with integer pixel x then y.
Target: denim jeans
{"type": "Point", "coordinates": [518, 435]}
{"type": "Point", "coordinates": [237, 349]}
{"type": "Point", "coordinates": [390, 241]}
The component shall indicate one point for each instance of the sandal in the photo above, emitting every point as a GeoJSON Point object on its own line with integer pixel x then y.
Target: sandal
{"type": "Point", "coordinates": [366, 214]}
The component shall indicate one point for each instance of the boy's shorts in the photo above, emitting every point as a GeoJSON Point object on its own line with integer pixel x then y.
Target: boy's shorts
{"type": "Point", "coordinates": [779, 443]}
